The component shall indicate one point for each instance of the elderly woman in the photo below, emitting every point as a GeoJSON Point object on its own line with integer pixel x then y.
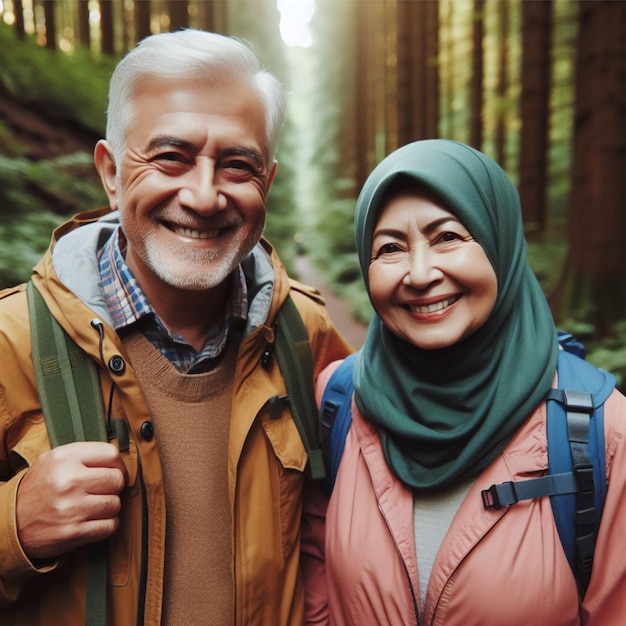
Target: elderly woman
{"type": "Point", "coordinates": [450, 398]}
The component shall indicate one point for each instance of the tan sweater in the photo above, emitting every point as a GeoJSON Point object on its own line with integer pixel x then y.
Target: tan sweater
{"type": "Point", "coordinates": [191, 416]}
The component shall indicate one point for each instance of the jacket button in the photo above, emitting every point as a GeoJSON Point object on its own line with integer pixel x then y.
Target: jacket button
{"type": "Point", "coordinates": [147, 431]}
{"type": "Point", "coordinates": [117, 364]}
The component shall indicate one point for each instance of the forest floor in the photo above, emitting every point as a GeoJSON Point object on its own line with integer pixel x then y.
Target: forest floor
{"type": "Point", "coordinates": [338, 308]}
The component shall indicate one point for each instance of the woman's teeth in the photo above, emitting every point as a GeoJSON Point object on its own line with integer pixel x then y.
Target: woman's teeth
{"type": "Point", "coordinates": [433, 308]}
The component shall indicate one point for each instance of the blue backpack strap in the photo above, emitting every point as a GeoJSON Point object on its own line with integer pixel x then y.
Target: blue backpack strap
{"type": "Point", "coordinates": [575, 432]}
{"type": "Point", "coordinates": [576, 482]}
{"type": "Point", "coordinates": [569, 343]}
{"type": "Point", "coordinates": [336, 416]}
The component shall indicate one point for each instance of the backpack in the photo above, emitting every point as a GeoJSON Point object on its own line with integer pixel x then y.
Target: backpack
{"type": "Point", "coordinates": [71, 399]}
{"type": "Point", "coordinates": [576, 482]}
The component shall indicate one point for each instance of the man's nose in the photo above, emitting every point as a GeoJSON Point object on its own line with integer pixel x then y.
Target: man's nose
{"type": "Point", "coordinates": [200, 191]}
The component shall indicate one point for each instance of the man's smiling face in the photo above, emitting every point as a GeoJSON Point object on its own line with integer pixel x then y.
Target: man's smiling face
{"type": "Point", "coordinates": [192, 182]}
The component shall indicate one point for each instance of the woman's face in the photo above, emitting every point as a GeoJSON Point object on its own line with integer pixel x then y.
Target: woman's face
{"type": "Point", "coordinates": [430, 281]}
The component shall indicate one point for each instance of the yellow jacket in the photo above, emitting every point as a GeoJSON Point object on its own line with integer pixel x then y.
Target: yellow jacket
{"type": "Point", "coordinates": [266, 456]}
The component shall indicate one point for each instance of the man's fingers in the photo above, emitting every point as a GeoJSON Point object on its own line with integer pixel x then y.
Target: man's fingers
{"type": "Point", "coordinates": [104, 480]}
{"type": "Point", "coordinates": [101, 507]}
{"type": "Point", "coordinates": [96, 454]}
{"type": "Point", "coordinates": [70, 497]}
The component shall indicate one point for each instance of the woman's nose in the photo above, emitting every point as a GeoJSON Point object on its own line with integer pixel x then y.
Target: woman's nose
{"type": "Point", "coordinates": [422, 267]}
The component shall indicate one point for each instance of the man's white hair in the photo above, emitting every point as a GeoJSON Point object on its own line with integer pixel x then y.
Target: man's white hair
{"type": "Point", "coordinates": [195, 55]}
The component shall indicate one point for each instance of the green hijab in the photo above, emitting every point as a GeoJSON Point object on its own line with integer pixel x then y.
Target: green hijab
{"type": "Point", "coordinates": [444, 415]}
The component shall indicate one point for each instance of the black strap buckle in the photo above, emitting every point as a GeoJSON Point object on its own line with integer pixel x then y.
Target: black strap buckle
{"type": "Point", "coordinates": [499, 495]}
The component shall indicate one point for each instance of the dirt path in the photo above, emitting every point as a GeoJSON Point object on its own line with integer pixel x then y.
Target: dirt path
{"type": "Point", "coordinates": [338, 309]}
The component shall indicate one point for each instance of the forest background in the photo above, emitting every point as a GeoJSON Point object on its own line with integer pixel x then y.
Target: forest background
{"type": "Point", "coordinates": [540, 85]}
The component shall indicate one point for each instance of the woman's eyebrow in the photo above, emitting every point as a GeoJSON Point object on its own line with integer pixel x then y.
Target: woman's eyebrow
{"type": "Point", "coordinates": [435, 224]}
{"type": "Point", "coordinates": [427, 230]}
{"type": "Point", "coordinates": [388, 232]}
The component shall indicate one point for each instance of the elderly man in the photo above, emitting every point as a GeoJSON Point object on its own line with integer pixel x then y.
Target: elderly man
{"type": "Point", "coordinates": [174, 293]}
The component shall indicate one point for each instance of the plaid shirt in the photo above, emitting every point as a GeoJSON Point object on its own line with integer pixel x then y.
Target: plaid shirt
{"type": "Point", "coordinates": [128, 305]}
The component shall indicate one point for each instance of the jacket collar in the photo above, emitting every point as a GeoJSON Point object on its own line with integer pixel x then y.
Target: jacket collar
{"type": "Point", "coordinates": [77, 243]}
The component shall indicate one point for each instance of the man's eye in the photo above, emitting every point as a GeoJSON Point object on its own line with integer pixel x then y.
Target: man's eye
{"type": "Point", "coordinates": [174, 157]}
{"type": "Point", "coordinates": [239, 164]}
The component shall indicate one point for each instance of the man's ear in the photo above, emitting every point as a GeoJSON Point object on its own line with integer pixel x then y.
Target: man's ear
{"type": "Point", "coordinates": [105, 165]}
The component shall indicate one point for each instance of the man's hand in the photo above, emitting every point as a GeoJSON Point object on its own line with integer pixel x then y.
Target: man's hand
{"type": "Point", "coordinates": [69, 497]}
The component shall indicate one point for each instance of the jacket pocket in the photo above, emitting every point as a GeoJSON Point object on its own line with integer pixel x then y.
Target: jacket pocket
{"type": "Point", "coordinates": [286, 442]}
{"type": "Point", "coordinates": [286, 479]}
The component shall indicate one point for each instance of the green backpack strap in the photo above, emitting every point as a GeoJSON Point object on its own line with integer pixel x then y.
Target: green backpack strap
{"type": "Point", "coordinates": [67, 379]}
{"type": "Point", "coordinates": [293, 352]}
{"type": "Point", "coordinates": [71, 401]}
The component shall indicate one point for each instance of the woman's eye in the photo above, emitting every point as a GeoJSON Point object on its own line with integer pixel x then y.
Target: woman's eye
{"type": "Point", "coordinates": [389, 248]}
{"type": "Point", "coordinates": [387, 251]}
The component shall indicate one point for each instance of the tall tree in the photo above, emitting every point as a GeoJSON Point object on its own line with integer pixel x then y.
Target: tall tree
{"type": "Point", "coordinates": [179, 17]}
{"type": "Point", "coordinates": [502, 84]}
{"type": "Point", "coordinates": [142, 19]}
{"type": "Point", "coordinates": [535, 98]}
{"type": "Point", "coordinates": [417, 93]}
{"type": "Point", "coordinates": [50, 20]}
{"type": "Point", "coordinates": [18, 12]}
{"type": "Point", "coordinates": [368, 50]}
{"type": "Point", "coordinates": [593, 284]}
{"type": "Point", "coordinates": [476, 85]}
{"type": "Point", "coordinates": [84, 32]}
{"type": "Point", "coordinates": [107, 42]}
{"type": "Point", "coordinates": [447, 68]}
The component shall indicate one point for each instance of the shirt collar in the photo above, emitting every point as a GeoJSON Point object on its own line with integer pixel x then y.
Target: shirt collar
{"type": "Point", "coordinates": [128, 305]}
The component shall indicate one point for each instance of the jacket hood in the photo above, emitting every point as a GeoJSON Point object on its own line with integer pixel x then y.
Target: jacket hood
{"type": "Point", "coordinates": [78, 242]}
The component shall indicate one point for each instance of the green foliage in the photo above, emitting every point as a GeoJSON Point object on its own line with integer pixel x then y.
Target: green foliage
{"type": "Point", "coordinates": [36, 195]}
{"type": "Point", "coordinates": [546, 258]}
{"type": "Point", "coordinates": [31, 194]}
{"type": "Point", "coordinates": [61, 185]}
{"type": "Point", "coordinates": [65, 87]}
{"type": "Point", "coordinates": [24, 239]}
{"type": "Point", "coordinates": [609, 352]}
{"type": "Point", "coordinates": [282, 218]}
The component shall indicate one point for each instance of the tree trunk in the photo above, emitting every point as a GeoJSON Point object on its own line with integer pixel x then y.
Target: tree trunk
{"type": "Point", "coordinates": [417, 95]}
{"type": "Point", "coordinates": [365, 115]}
{"type": "Point", "coordinates": [142, 19]}
{"type": "Point", "coordinates": [84, 33]}
{"type": "Point", "coordinates": [476, 85]}
{"type": "Point", "coordinates": [593, 284]}
{"type": "Point", "coordinates": [18, 10]}
{"type": "Point", "coordinates": [179, 18]}
{"type": "Point", "coordinates": [431, 128]}
{"type": "Point", "coordinates": [447, 113]}
{"type": "Point", "coordinates": [49, 18]}
{"type": "Point", "coordinates": [535, 98]}
{"type": "Point", "coordinates": [107, 44]}
{"type": "Point", "coordinates": [502, 84]}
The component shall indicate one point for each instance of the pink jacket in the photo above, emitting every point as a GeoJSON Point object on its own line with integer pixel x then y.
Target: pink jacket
{"type": "Point", "coordinates": [494, 567]}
